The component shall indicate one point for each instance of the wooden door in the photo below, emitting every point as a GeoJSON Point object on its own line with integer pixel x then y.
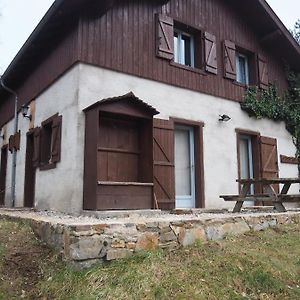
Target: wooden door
{"type": "Point", "coordinates": [269, 159]}
{"type": "Point", "coordinates": [29, 187]}
{"type": "Point", "coordinates": [164, 175]}
{"type": "Point", "coordinates": [3, 169]}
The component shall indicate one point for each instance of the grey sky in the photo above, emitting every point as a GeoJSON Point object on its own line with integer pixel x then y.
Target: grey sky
{"type": "Point", "coordinates": [19, 18]}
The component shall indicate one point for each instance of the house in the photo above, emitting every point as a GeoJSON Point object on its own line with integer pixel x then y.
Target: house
{"type": "Point", "coordinates": [125, 99]}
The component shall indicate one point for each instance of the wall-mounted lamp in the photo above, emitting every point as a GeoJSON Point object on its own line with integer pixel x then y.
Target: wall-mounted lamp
{"type": "Point", "coordinates": [25, 109]}
{"type": "Point", "coordinates": [224, 118]}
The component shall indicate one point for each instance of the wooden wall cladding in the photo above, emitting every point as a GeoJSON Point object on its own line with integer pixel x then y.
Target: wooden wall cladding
{"type": "Point", "coordinates": [119, 150]}
{"type": "Point", "coordinates": [124, 39]}
{"type": "Point", "coordinates": [124, 196]}
{"type": "Point", "coordinates": [289, 160]}
{"type": "Point", "coordinates": [45, 69]}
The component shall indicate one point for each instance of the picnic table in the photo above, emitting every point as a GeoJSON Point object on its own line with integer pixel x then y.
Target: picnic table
{"type": "Point", "coordinates": [269, 193]}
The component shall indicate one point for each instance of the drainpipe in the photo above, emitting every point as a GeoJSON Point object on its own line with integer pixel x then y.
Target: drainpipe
{"type": "Point", "coordinates": [14, 153]}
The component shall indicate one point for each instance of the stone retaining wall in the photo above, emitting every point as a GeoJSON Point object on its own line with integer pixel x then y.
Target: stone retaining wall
{"type": "Point", "coordinates": [88, 244]}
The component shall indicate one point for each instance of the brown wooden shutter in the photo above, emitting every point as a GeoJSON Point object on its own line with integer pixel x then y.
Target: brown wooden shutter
{"type": "Point", "coordinates": [11, 142]}
{"type": "Point", "coordinates": [164, 172]}
{"type": "Point", "coordinates": [56, 139]}
{"type": "Point", "coordinates": [210, 53]}
{"type": "Point", "coordinates": [263, 73]}
{"type": "Point", "coordinates": [229, 60]}
{"type": "Point", "coordinates": [269, 158]}
{"type": "Point", "coordinates": [17, 140]}
{"type": "Point", "coordinates": [165, 37]}
{"type": "Point", "coordinates": [36, 147]}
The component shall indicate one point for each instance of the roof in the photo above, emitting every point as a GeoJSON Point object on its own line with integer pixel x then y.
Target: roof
{"type": "Point", "coordinates": [257, 12]}
{"type": "Point", "coordinates": [132, 99]}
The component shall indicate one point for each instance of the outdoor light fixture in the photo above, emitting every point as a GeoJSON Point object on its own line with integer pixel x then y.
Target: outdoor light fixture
{"type": "Point", "coordinates": [224, 118]}
{"type": "Point", "coordinates": [25, 109]}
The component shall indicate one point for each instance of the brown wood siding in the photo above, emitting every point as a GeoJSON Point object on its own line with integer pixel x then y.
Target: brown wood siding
{"type": "Point", "coordinates": [124, 39]}
{"type": "Point", "coordinates": [124, 196]}
{"type": "Point", "coordinates": [118, 151]}
{"type": "Point", "coordinates": [44, 71]}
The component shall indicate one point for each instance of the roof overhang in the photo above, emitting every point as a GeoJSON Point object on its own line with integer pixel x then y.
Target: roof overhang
{"type": "Point", "coordinates": [130, 99]}
{"type": "Point", "coordinates": [272, 32]}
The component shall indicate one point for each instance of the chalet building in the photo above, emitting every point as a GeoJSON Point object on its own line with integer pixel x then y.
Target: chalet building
{"type": "Point", "coordinates": [125, 99]}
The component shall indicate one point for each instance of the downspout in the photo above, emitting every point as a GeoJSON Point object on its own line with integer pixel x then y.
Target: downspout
{"type": "Point", "coordinates": [14, 153]}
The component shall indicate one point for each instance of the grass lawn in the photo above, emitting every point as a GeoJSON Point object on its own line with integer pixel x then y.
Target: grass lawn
{"type": "Point", "coordinates": [264, 265]}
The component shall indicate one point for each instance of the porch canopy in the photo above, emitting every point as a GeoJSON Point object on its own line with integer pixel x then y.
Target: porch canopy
{"type": "Point", "coordinates": [118, 163]}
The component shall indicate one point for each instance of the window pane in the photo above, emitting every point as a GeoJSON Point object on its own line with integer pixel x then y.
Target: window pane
{"type": "Point", "coordinates": [182, 163]}
{"type": "Point", "coordinates": [187, 50]}
{"type": "Point", "coordinates": [176, 52]}
{"type": "Point", "coordinates": [242, 75]}
{"type": "Point", "coordinates": [183, 48]}
{"type": "Point", "coordinates": [242, 64]}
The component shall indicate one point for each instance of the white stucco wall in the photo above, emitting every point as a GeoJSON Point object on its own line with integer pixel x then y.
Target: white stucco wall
{"type": "Point", "coordinates": [220, 151]}
{"type": "Point", "coordinates": [62, 188]}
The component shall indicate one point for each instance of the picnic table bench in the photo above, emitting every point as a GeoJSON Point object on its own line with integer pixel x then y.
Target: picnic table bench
{"type": "Point", "coordinates": [269, 195]}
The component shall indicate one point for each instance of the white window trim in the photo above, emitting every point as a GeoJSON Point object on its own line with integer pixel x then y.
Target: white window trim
{"type": "Point", "coordinates": [238, 55]}
{"type": "Point", "coordinates": [179, 50]}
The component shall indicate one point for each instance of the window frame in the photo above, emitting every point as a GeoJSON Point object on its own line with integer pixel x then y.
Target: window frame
{"type": "Point", "coordinates": [178, 50]}
{"type": "Point", "coordinates": [47, 124]}
{"type": "Point", "coordinates": [247, 69]}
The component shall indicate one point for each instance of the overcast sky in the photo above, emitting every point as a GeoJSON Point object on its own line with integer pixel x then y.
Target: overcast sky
{"type": "Point", "coordinates": [19, 18]}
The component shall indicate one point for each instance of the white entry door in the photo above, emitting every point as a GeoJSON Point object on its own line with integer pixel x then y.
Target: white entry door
{"type": "Point", "coordinates": [184, 167]}
{"type": "Point", "coordinates": [246, 162]}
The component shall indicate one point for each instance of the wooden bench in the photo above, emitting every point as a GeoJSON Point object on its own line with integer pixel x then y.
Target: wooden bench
{"type": "Point", "coordinates": [270, 196]}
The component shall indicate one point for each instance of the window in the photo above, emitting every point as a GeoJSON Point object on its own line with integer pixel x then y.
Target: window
{"type": "Point", "coordinates": [184, 48]}
{"type": "Point", "coordinates": [184, 45]}
{"type": "Point", "coordinates": [242, 68]}
{"type": "Point", "coordinates": [48, 143]}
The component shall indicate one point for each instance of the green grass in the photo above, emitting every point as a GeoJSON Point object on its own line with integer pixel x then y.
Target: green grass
{"type": "Point", "coordinates": [263, 265]}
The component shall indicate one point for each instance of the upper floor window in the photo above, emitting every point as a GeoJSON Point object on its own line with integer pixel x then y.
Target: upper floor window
{"type": "Point", "coordinates": [184, 48]}
{"type": "Point", "coordinates": [185, 45]}
{"type": "Point", "coordinates": [242, 68]}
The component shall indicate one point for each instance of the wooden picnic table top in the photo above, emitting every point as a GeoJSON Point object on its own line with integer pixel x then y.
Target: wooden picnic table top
{"type": "Point", "coordinates": [269, 180]}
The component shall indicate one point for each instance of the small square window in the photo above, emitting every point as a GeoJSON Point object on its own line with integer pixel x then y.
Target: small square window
{"type": "Point", "coordinates": [242, 68]}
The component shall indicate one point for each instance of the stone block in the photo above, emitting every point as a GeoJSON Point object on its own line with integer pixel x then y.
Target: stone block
{"type": "Point", "coordinates": [120, 230]}
{"type": "Point", "coordinates": [147, 241]}
{"type": "Point", "coordinates": [188, 237]}
{"type": "Point", "coordinates": [91, 247]}
{"type": "Point", "coordinates": [114, 254]}
{"type": "Point", "coordinates": [218, 231]}
{"type": "Point", "coordinates": [261, 223]}
{"type": "Point", "coordinates": [117, 243]}
{"type": "Point", "coordinates": [99, 228]}
{"type": "Point", "coordinates": [131, 245]}
{"type": "Point", "coordinates": [169, 245]}
{"type": "Point", "coordinates": [167, 237]}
